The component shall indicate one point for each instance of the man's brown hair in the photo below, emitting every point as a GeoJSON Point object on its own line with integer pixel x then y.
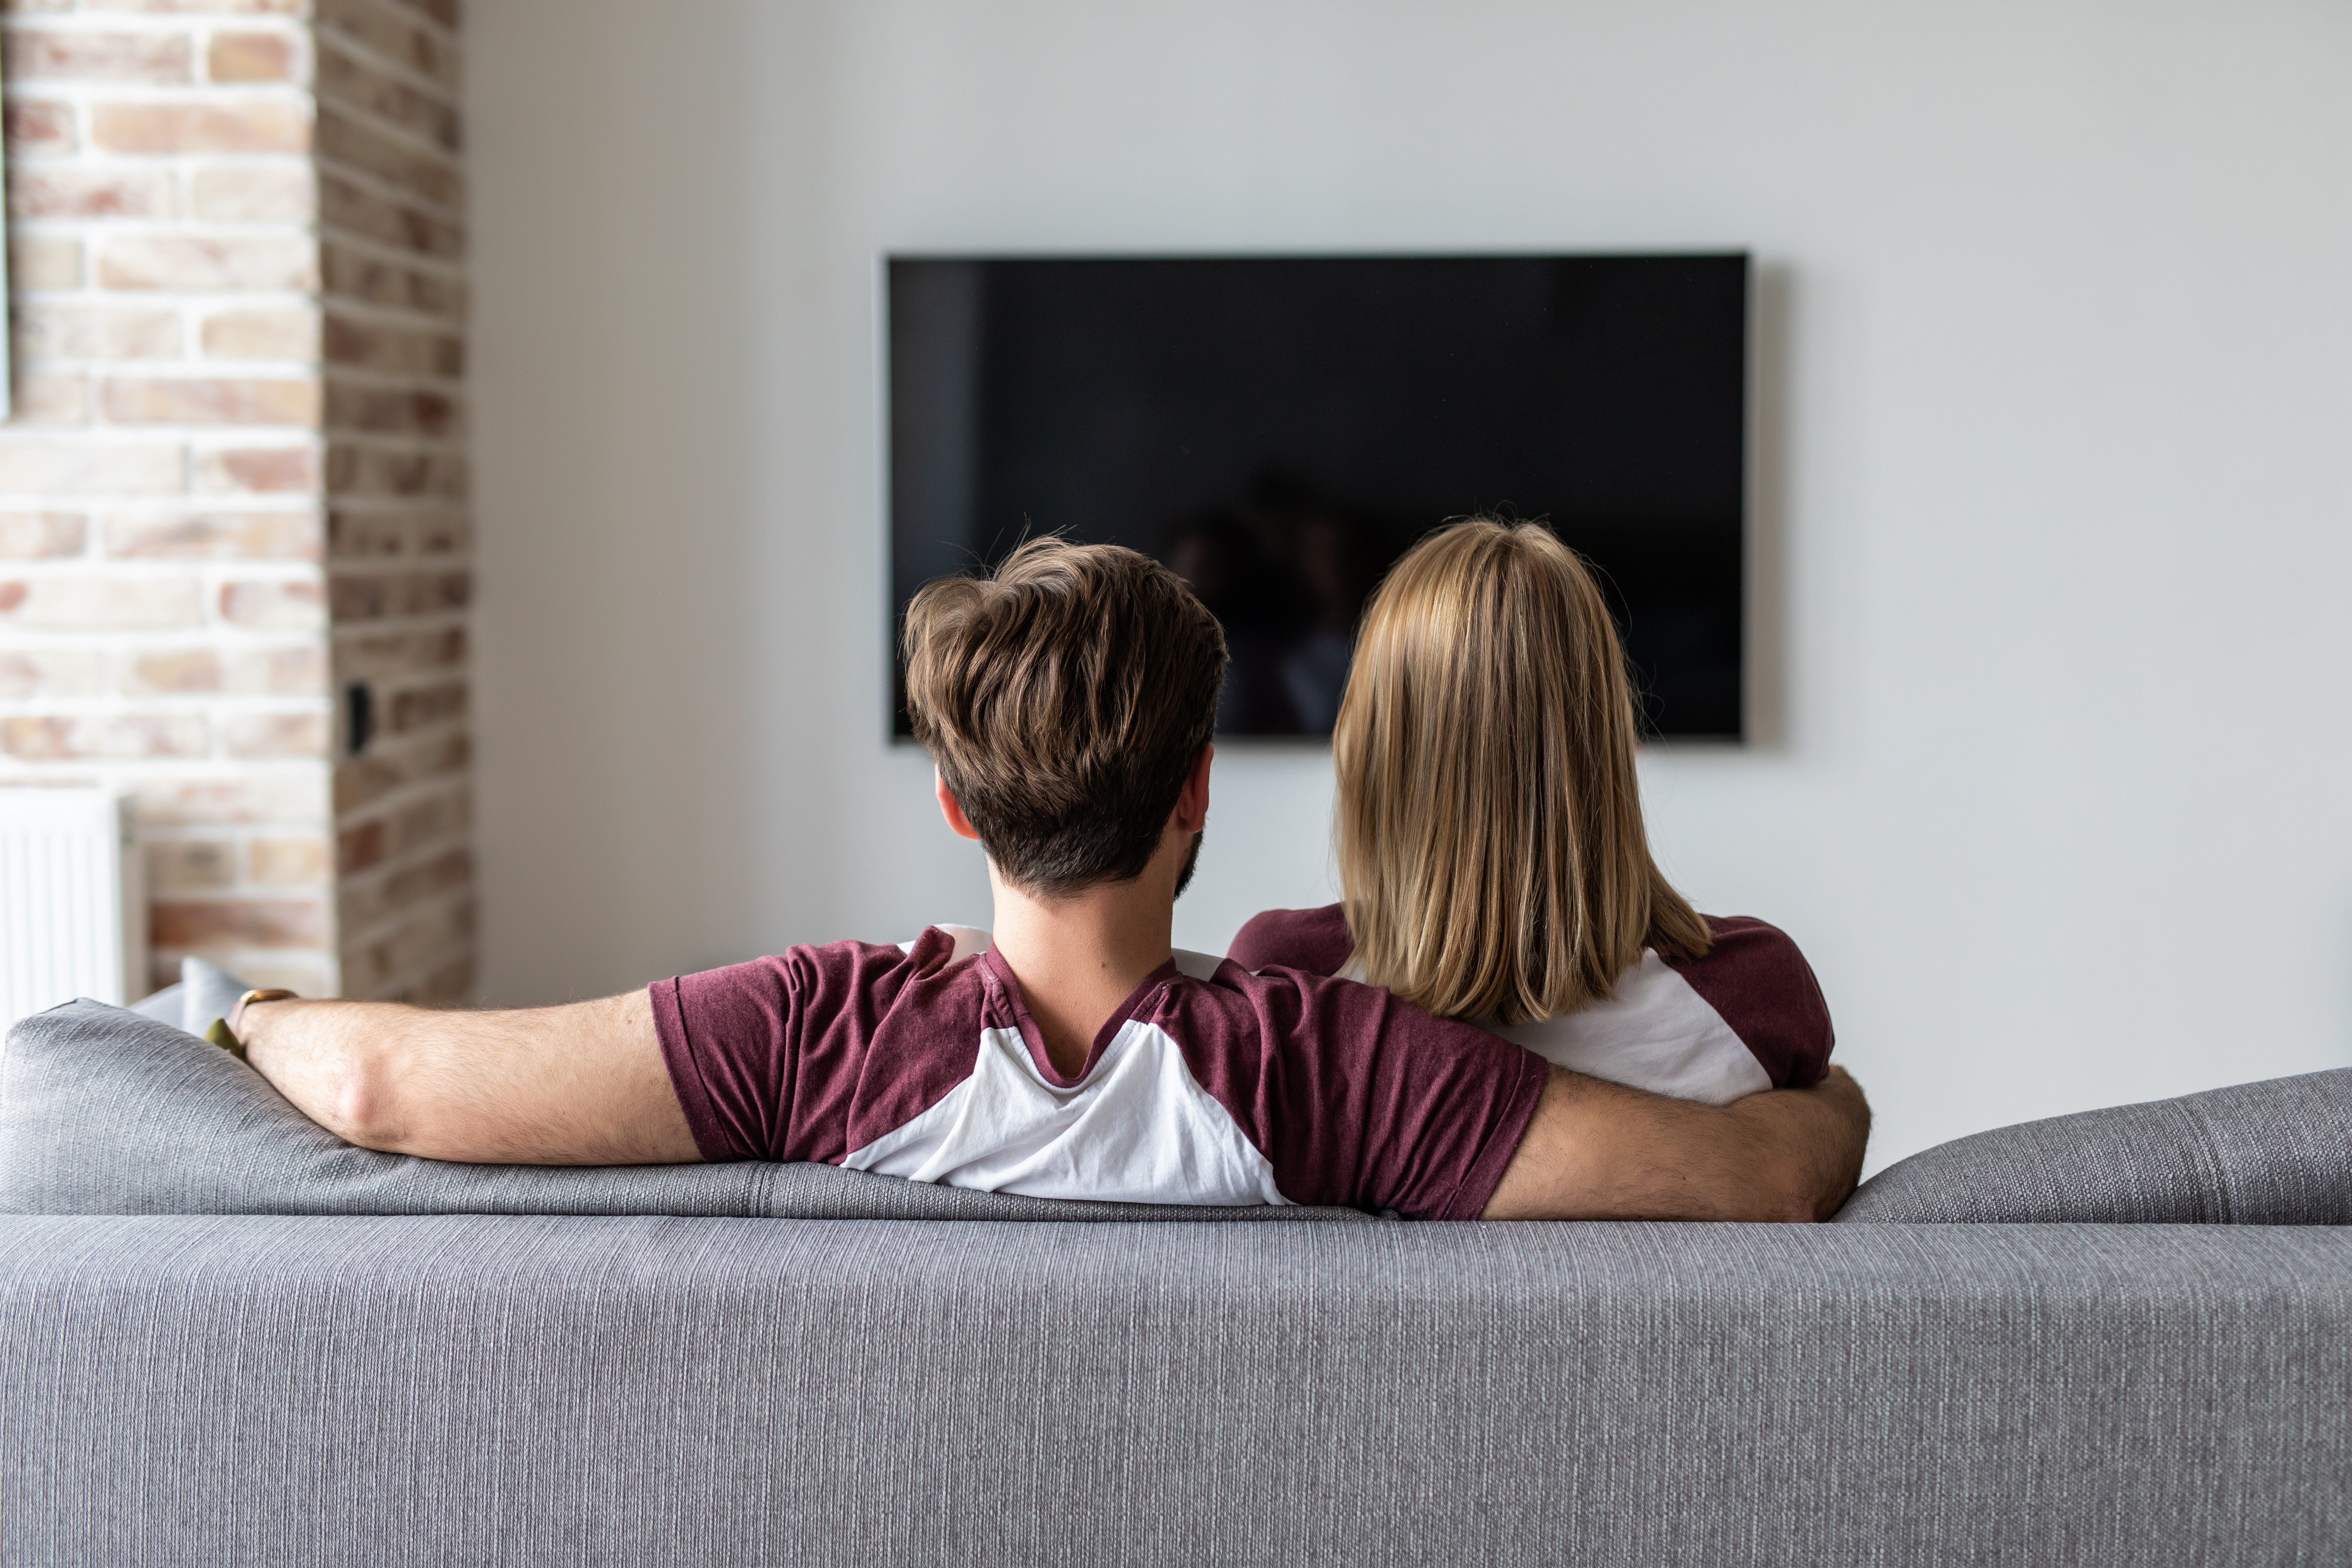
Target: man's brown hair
{"type": "Point", "coordinates": [1065, 696]}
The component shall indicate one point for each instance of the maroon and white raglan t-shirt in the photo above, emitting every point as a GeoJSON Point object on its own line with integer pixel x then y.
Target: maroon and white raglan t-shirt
{"type": "Point", "coordinates": [1747, 1016]}
{"type": "Point", "coordinates": [1209, 1085]}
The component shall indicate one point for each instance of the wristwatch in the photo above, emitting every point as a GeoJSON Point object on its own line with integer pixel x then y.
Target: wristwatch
{"type": "Point", "coordinates": [222, 1032]}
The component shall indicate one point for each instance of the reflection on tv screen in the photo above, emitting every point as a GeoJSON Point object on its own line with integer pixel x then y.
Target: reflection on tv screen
{"type": "Point", "coordinates": [1279, 430]}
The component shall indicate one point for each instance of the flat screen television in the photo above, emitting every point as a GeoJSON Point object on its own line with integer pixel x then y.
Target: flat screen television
{"type": "Point", "coordinates": [1279, 429]}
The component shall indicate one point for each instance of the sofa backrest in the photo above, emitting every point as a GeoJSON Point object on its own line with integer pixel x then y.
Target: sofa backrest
{"type": "Point", "coordinates": [105, 1111]}
{"type": "Point", "coordinates": [2274, 1152]}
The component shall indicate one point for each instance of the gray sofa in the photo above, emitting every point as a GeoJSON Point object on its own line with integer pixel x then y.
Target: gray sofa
{"type": "Point", "coordinates": [225, 1337]}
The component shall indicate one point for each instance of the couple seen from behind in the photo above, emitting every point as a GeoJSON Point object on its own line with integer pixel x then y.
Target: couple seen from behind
{"type": "Point", "coordinates": [1511, 1013]}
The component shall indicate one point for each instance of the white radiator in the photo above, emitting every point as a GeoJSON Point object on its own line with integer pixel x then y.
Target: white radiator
{"type": "Point", "coordinates": [73, 906]}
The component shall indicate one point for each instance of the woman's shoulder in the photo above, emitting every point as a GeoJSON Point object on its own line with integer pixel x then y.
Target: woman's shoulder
{"type": "Point", "coordinates": [1315, 941]}
{"type": "Point", "coordinates": [1759, 983]}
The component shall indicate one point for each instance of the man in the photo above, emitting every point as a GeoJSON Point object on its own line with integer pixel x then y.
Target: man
{"type": "Point", "coordinates": [1067, 700]}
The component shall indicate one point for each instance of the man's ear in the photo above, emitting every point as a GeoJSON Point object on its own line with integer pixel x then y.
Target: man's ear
{"type": "Point", "coordinates": [952, 810]}
{"type": "Point", "coordinates": [1192, 802]}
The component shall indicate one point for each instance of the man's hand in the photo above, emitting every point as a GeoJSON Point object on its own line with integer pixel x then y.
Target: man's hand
{"type": "Point", "coordinates": [1599, 1150]}
{"type": "Point", "coordinates": [579, 1085]}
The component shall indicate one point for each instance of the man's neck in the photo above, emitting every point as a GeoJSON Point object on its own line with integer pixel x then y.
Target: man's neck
{"type": "Point", "coordinates": [1077, 959]}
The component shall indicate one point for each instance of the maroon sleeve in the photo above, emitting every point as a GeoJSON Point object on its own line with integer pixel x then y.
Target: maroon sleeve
{"type": "Point", "coordinates": [1757, 980]}
{"type": "Point", "coordinates": [766, 1055]}
{"type": "Point", "coordinates": [1315, 941]}
{"type": "Point", "coordinates": [1358, 1099]}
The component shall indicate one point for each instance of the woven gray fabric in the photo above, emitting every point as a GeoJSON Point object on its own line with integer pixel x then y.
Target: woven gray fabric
{"type": "Point", "coordinates": [2275, 1152]}
{"type": "Point", "coordinates": [664, 1393]}
{"type": "Point", "coordinates": [104, 1111]}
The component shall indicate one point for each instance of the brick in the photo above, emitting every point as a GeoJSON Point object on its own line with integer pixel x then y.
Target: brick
{"type": "Point", "coordinates": [425, 708]}
{"type": "Point", "coordinates": [254, 56]}
{"type": "Point", "coordinates": [420, 938]}
{"type": "Point", "coordinates": [180, 128]}
{"type": "Point", "coordinates": [387, 656]}
{"type": "Point", "coordinates": [430, 415]}
{"type": "Point", "coordinates": [37, 125]}
{"type": "Point", "coordinates": [66, 332]}
{"type": "Point", "coordinates": [100, 603]}
{"type": "Point", "coordinates": [350, 208]}
{"type": "Point", "coordinates": [273, 605]}
{"type": "Point", "coordinates": [50, 397]}
{"type": "Point", "coordinates": [364, 471]}
{"type": "Point", "coordinates": [215, 535]}
{"type": "Point", "coordinates": [47, 672]}
{"type": "Point", "coordinates": [345, 141]}
{"type": "Point", "coordinates": [364, 845]}
{"type": "Point", "coordinates": [184, 865]}
{"type": "Point", "coordinates": [298, 796]}
{"type": "Point", "coordinates": [171, 672]}
{"type": "Point", "coordinates": [429, 821]}
{"type": "Point", "coordinates": [360, 782]}
{"type": "Point", "coordinates": [352, 274]}
{"type": "Point", "coordinates": [96, 331]}
{"type": "Point", "coordinates": [260, 470]}
{"type": "Point", "coordinates": [261, 335]}
{"type": "Point", "coordinates": [448, 986]}
{"type": "Point", "coordinates": [358, 87]}
{"type": "Point", "coordinates": [409, 985]}
{"type": "Point", "coordinates": [365, 535]}
{"type": "Point", "coordinates": [254, 922]}
{"type": "Point", "coordinates": [42, 535]}
{"type": "Point", "coordinates": [45, 261]}
{"type": "Point", "coordinates": [290, 862]}
{"type": "Point", "coordinates": [113, 737]}
{"type": "Point", "coordinates": [212, 401]}
{"type": "Point", "coordinates": [275, 734]}
{"type": "Point", "coordinates": [442, 11]}
{"type": "Point", "coordinates": [298, 670]}
{"type": "Point", "coordinates": [224, 7]}
{"type": "Point", "coordinates": [78, 55]}
{"type": "Point", "coordinates": [254, 193]}
{"type": "Point", "coordinates": [392, 350]}
{"type": "Point", "coordinates": [47, 191]}
{"type": "Point", "coordinates": [362, 905]}
{"type": "Point", "coordinates": [373, 596]}
{"type": "Point", "coordinates": [85, 467]}
{"type": "Point", "coordinates": [384, 31]}
{"type": "Point", "coordinates": [201, 264]}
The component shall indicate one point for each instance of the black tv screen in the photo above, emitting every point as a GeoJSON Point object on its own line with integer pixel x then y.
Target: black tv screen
{"type": "Point", "coordinates": [1280, 430]}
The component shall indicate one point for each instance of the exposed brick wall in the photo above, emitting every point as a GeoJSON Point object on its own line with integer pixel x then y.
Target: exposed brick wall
{"type": "Point", "coordinates": [392, 237]}
{"type": "Point", "coordinates": [233, 484]}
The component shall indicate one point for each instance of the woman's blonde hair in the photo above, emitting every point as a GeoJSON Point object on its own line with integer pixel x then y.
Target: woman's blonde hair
{"type": "Point", "coordinates": [1489, 819]}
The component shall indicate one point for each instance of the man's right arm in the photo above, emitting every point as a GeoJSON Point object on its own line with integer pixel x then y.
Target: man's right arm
{"type": "Point", "coordinates": [1599, 1150]}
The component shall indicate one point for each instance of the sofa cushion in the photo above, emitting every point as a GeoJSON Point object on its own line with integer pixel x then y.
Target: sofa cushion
{"type": "Point", "coordinates": [2275, 1152]}
{"type": "Point", "coordinates": [103, 1111]}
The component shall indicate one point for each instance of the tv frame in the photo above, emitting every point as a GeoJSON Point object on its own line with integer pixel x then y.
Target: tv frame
{"type": "Point", "coordinates": [1753, 699]}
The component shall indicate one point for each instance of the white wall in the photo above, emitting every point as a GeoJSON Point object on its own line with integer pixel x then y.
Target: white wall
{"type": "Point", "coordinates": [2054, 520]}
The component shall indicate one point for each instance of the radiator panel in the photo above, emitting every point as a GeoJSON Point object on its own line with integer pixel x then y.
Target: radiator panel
{"type": "Point", "coordinates": [73, 916]}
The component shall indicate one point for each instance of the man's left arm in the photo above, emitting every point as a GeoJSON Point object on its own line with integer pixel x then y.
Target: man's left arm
{"type": "Point", "coordinates": [583, 1084]}
{"type": "Point", "coordinates": [1602, 1150]}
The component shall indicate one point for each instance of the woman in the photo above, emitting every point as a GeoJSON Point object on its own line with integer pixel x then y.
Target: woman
{"type": "Point", "coordinates": [1490, 841]}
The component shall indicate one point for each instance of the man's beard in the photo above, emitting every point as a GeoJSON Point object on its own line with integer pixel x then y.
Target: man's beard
{"type": "Point", "coordinates": [1192, 858]}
